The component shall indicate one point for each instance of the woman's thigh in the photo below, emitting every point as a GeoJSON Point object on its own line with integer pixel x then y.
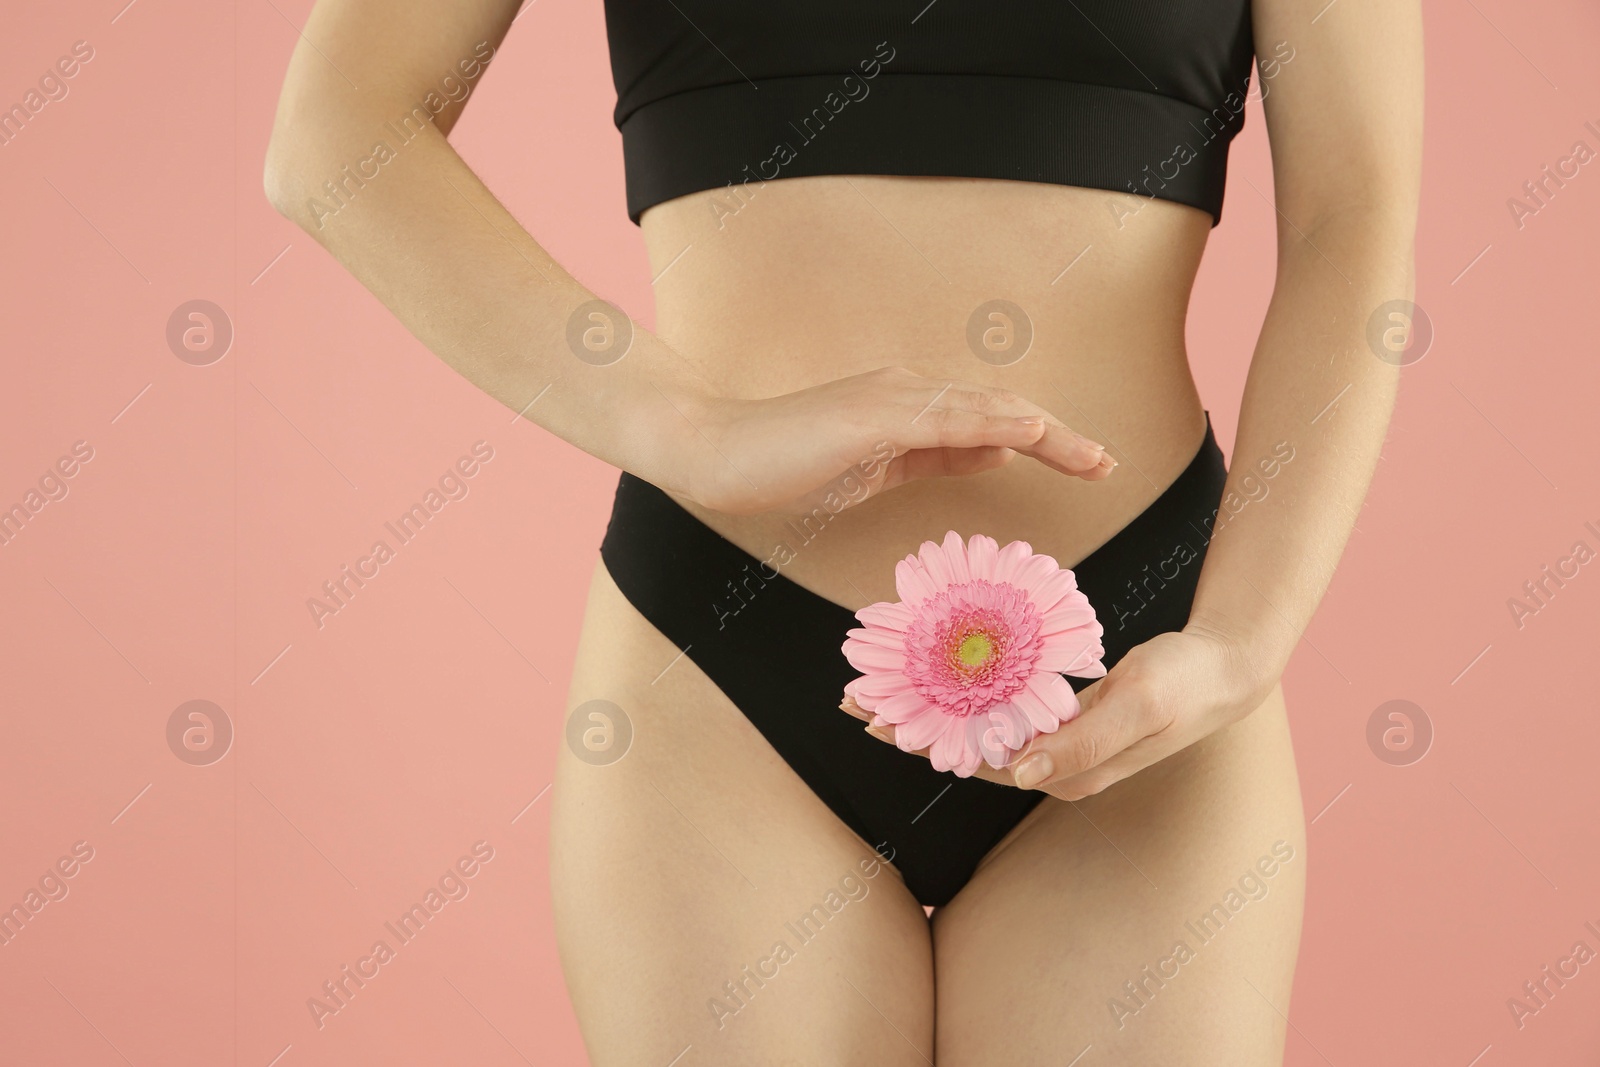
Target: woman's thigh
{"type": "Point", "coordinates": [1157, 922]}
{"type": "Point", "coordinates": [705, 898]}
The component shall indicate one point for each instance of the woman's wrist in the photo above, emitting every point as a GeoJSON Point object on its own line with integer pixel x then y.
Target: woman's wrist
{"type": "Point", "coordinates": [643, 411]}
{"type": "Point", "coordinates": [664, 423]}
{"type": "Point", "coordinates": [674, 437]}
{"type": "Point", "coordinates": [1253, 663]}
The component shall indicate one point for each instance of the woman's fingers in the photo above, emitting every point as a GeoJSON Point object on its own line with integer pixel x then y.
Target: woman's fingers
{"type": "Point", "coordinates": [849, 706]}
{"type": "Point", "coordinates": [1080, 758]}
{"type": "Point", "coordinates": [962, 427]}
{"type": "Point", "coordinates": [1136, 757]}
{"type": "Point", "coordinates": [1071, 454]}
{"type": "Point", "coordinates": [962, 415]}
{"type": "Point", "coordinates": [945, 463]}
{"type": "Point", "coordinates": [1038, 436]}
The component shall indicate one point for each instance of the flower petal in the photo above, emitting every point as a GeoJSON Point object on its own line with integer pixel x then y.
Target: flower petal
{"type": "Point", "coordinates": [1040, 712]}
{"type": "Point", "coordinates": [886, 615]}
{"type": "Point", "coordinates": [1071, 612]}
{"type": "Point", "coordinates": [911, 581]}
{"type": "Point", "coordinates": [1010, 559]}
{"type": "Point", "coordinates": [878, 686]}
{"type": "Point", "coordinates": [1011, 726]}
{"type": "Point", "coordinates": [1072, 653]}
{"type": "Point", "coordinates": [920, 731]}
{"type": "Point", "coordinates": [955, 555]}
{"type": "Point", "coordinates": [950, 751]}
{"type": "Point", "coordinates": [1057, 695]}
{"type": "Point", "coordinates": [869, 658]}
{"type": "Point", "coordinates": [1032, 573]}
{"type": "Point", "coordinates": [1053, 589]}
{"type": "Point", "coordinates": [981, 737]}
{"type": "Point", "coordinates": [935, 563]}
{"type": "Point", "coordinates": [982, 552]}
{"type": "Point", "coordinates": [891, 639]}
{"type": "Point", "coordinates": [901, 708]}
{"type": "Point", "coordinates": [935, 747]}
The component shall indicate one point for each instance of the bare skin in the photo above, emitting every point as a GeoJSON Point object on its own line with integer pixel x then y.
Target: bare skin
{"type": "Point", "coordinates": [685, 861]}
{"type": "Point", "coordinates": [680, 865]}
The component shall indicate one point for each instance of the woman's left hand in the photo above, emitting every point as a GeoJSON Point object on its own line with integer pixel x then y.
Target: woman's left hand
{"type": "Point", "coordinates": [1163, 696]}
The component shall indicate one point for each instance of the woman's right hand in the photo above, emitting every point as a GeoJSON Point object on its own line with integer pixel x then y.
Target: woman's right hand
{"type": "Point", "coordinates": [856, 437]}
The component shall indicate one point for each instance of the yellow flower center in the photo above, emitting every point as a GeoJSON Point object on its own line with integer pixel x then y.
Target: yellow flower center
{"type": "Point", "coordinates": [975, 650]}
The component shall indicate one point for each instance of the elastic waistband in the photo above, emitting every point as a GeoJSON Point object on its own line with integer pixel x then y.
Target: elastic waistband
{"type": "Point", "coordinates": [690, 581]}
{"type": "Point", "coordinates": [1142, 581]}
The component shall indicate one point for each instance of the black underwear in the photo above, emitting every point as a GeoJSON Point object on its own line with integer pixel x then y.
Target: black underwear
{"type": "Point", "coordinates": [773, 648]}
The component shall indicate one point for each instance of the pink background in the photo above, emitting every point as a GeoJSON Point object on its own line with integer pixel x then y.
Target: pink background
{"type": "Point", "coordinates": [424, 717]}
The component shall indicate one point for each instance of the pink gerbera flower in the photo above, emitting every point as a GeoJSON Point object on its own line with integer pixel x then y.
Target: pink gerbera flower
{"type": "Point", "coordinates": [969, 663]}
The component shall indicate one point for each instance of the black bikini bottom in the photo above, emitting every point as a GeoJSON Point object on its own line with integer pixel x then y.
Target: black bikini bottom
{"type": "Point", "coordinates": [773, 648]}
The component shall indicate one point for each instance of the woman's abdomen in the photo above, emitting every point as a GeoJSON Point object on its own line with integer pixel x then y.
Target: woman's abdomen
{"type": "Point", "coordinates": [1072, 298]}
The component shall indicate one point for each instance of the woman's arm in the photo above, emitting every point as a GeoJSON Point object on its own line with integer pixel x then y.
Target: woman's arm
{"type": "Point", "coordinates": [1345, 119]}
{"type": "Point", "coordinates": [359, 159]}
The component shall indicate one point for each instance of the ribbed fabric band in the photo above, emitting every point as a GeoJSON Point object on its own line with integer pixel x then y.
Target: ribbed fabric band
{"type": "Point", "coordinates": [950, 125]}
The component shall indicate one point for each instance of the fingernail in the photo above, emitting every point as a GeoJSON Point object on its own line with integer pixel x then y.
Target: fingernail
{"type": "Point", "coordinates": [880, 733]}
{"type": "Point", "coordinates": [1033, 770]}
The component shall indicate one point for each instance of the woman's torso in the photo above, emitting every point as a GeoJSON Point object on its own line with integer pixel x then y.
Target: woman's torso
{"type": "Point", "coordinates": [804, 280]}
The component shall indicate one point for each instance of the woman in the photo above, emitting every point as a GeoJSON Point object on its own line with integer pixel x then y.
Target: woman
{"type": "Point", "coordinates": [919, 270]}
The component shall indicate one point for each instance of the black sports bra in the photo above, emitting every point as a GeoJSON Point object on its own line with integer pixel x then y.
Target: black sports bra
{"type": "Point", "coordinates": [1139, 96]}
